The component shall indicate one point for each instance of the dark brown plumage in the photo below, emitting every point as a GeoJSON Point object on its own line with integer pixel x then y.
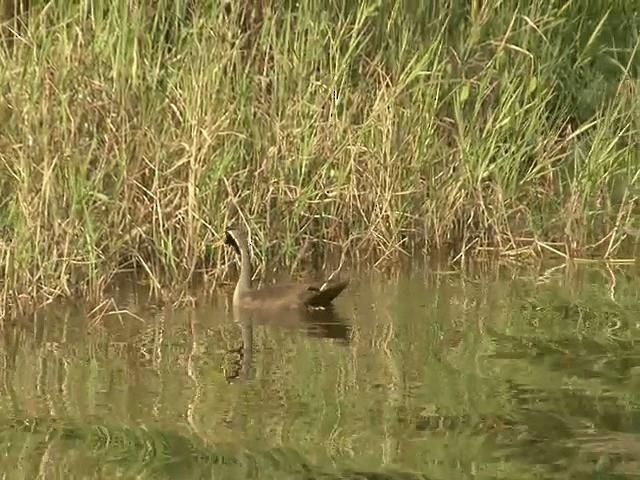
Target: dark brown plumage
{"type": "Point", "coordinates": [317, 295]}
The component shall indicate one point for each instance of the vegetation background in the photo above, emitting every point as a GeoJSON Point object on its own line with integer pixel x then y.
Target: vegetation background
{"type": "Point", "coordinates": [379, 128]}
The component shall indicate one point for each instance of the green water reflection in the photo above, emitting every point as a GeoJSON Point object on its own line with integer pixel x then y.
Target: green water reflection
{"type": "Point", "coordinates": [494, 374]}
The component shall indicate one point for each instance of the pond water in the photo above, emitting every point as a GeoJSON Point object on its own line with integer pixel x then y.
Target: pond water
{"type": "Point", "coordinates": [497, 373]}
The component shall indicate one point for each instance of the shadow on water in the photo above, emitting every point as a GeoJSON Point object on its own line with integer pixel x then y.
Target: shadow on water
{"type": "Point", "coordinates": [493, 374]}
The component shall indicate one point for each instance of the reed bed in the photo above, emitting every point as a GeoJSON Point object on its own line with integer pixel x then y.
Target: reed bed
{"type": "Point", "coordinates": [376, 130]}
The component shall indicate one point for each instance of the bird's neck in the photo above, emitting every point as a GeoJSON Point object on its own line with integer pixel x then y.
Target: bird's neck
{"type": "Point", "coordinates": [244, 282]}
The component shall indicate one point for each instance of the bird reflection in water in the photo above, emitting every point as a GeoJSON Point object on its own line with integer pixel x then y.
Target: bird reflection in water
{"type": "Point", "coordinates": [322, 323]}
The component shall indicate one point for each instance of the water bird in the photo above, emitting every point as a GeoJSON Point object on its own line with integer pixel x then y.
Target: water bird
{"type": "Point", "coordinates": [298, 295]}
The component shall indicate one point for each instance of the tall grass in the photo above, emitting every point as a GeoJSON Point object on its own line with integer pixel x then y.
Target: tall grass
{"type": "Point", "coordinates": [385, 129]}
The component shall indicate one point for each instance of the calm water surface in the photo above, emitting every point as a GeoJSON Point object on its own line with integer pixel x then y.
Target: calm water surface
{"type": "Point", "coordinates": [502, 374]}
